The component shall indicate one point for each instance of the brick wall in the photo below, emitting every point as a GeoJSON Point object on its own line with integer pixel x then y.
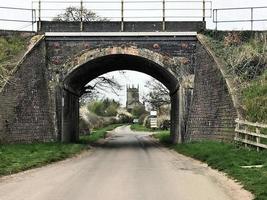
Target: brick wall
{"type": "Point", "coordinates": [212, 113]}
{"type": "Point", "coordinates": [26, 115]}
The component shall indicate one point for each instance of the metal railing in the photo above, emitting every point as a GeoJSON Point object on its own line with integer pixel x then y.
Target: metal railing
{"type": "Point", "coordinates": [27, 11]}
{"type": "Point", "coordinates": [127, 10]}
{"type": "Point", "coordinates": [251, 134]}
{"type": "Point", "coordinates": [249, 12]}
{"type": "Point", "coordinates": [140, 10]}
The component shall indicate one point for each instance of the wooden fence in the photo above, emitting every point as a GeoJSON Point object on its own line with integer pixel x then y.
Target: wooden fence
{"type": "Point", "coordinates": [251, 134]}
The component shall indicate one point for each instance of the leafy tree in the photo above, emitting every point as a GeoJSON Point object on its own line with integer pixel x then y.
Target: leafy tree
{"type": "Point", "coordinates": [137, 111]}
{"type": "Point", "coordinates": [111, 110]}
{"type": "Point", "coordinates": [104, 107]}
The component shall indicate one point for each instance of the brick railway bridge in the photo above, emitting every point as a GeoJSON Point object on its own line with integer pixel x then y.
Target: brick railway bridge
{"type": "Point", "coordinates": [40, 102]}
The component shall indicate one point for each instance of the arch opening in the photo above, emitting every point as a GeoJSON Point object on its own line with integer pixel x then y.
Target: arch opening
{"type": "Point", "coordinates": [78, 77]}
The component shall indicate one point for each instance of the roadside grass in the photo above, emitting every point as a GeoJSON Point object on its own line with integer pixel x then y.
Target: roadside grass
{"type": "Point", "coordinates": [138, 127]}
{"type": "Point", "coordinates": [19, 157]}
{"type": "Point", "coordinates": [163, 137]}
{"type": "Point", "coordinates": [254, 99]}
{"type": "Point", "coordinates": [228, 158]}
{"type": "Point", "coordinates": [97, 134]}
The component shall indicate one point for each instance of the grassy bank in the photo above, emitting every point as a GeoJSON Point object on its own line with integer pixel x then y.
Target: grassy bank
{"type": "Point", "coordinates": [229, 158]}
{"type": "Point", "coordinates": [254, 99]}
{"type": "Point", "coordinates": [11, 50]}
{"type": "Point", "coordinates": [244, 54]}
{"type": "Point", "coordinates": [19, 157]}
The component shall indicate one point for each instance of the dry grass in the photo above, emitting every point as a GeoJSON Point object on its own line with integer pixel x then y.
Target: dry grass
{"type": "Point", "coordinates": [245, 54]}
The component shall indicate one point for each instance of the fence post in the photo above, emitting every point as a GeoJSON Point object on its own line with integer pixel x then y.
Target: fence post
{"type": "Point", "coordinates": [215, 18]}
{"type": "Point", "coordinates": [251, 18]}
{"type": "Point", "coordinates": [81, 17]}
{"type": "Point", "coordinates": [258, 140]}
{"type": "Point", "coordinates": [246, 136]}
{"type": "Point", "coordinates": [39, 15]}
{"type": "Point", "coordinates": [236, 131]}
{"type": "Point", "coordinates": [163, 15]}
{"type": "Point", "coordinates": [204, 11]}
{"type": "Point", "coordinates": [122, 15]}
{"type": "Point", "coordinates": [33, 19]}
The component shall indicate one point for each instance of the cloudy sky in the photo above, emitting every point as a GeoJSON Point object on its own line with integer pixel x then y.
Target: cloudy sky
{"type": "Point", "coordinates": [130, 76]}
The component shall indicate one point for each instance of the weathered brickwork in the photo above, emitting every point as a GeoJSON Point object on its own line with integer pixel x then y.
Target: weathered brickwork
{"type": "Point", "coordinates": [39, 93]}
{"type": "Point", "coordinates": [212, 113]}
{"type": "Point", "coordinates": [24, 102]}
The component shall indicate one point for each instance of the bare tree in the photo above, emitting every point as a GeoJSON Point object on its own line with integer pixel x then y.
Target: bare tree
{"type": "Point", "coordinates": [73, 14]}
{"type": "Point", "coordinates": [158, 95]}
{"type": "Point", "coordinates": [100, 85]}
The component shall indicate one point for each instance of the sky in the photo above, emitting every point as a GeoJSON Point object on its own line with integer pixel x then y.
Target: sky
{"type": "Point", "coordinates": [130, 76]}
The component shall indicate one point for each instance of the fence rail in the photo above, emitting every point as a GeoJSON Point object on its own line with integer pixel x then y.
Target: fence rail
{"type": "Point", "coordinates": [30, 12]}
{"type": "Point", "coordinates": [138, 10]}
{"type": "Point", "coordinates": [166, 8]}
{"type": "Point", "coordinates": [250, 12]}
{"type": "Point", "coordinates": [250, 134]}
{"type": "Point", "coordinates": [128, 10]}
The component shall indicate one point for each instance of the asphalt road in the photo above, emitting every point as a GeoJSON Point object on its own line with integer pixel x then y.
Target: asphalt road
{"type": "Point", "coordinates": [129, 166]}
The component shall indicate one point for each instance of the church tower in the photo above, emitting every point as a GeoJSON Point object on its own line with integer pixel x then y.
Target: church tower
{"type": "Point", "coordinates": [132, 97]}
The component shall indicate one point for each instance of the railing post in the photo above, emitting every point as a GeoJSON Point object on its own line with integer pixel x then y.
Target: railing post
{"type": "Point", "coordinates": [258, 140]}
{"type": "Point", "coordinates": [32, 19]}
{"type": "Point", "coordinates": [204, 11]}
{"type": "Point", "coordinates": [236, 131]}
{"type": "Point", "coordinates": [81, 17]}
{"type": "Point", "coordinates": [163, 15]}
{"type": "Point", "coordinates": [39, 15]}
{"type": "Point", "coordinates": [122, 15]}
{"type": "Point", "coordinates": [215, 18]}
{"type": "Point", "coordinates": [246, 136]}
{"type": "Point", "coordinates": [251, 18]}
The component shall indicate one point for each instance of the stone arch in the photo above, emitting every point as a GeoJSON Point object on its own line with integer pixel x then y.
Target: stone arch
{"type": "Point", "coordinates": [91, 63]}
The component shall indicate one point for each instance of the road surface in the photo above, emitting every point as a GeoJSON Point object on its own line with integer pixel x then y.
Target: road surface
{"type": "Point", "coordinates": [129, 166]}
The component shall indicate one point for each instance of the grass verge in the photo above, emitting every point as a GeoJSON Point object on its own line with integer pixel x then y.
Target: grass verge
{"type": "Point", "coordinates": [138, 127]}
{"type": "Point", "coordinates": [19, 157]}
{"type": "Point", "coordinates": [229, 158]}
{"type": "Point", "coordinates": [97, 134]}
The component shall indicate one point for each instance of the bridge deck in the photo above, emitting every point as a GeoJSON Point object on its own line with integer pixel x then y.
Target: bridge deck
{"type": "Point", "coordinates": [118, 34]}
{"type": "Point", "coordinates": [111, 26]}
